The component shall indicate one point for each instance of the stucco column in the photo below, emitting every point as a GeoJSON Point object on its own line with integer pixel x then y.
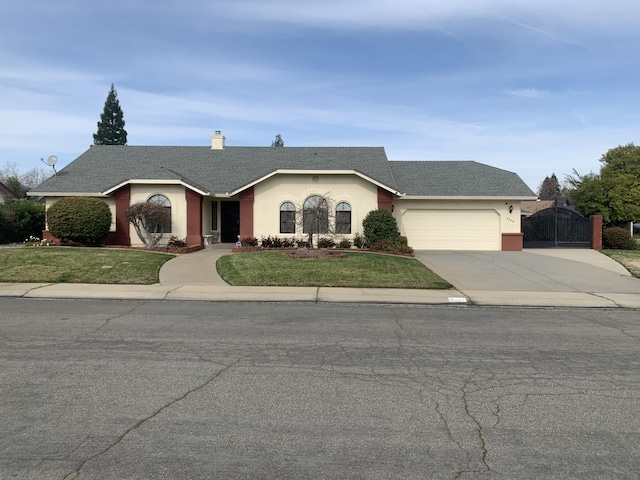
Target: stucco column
{"type": "Point", "coordinates": [385, 199]}
{"type": "Point", "coordinates": [246, 198]}
{"type": "Point", "coordinates": [194, 218]}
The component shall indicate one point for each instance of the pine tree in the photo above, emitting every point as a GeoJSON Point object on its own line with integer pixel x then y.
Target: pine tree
{"type": "Point", "coordinates": [550, 187]}
{"type": "Point", "coordinates": [278, 142]}
{"type": "Point", "coordinates": [111, 125]}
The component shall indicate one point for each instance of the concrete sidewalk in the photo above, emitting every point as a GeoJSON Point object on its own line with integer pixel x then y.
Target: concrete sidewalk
{"type": "Point", "coordinates": [481, 278]}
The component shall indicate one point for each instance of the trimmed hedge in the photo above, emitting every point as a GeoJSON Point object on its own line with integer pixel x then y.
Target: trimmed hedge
{"type": "Point", "coordinates": [380, 225]}
{"type": "Point", "coordinates": [79, 219]}
{"type": "Point", "coordinates": [617, 238]}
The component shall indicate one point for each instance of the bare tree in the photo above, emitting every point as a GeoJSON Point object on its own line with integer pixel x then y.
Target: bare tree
{"type": "Point", "coordinates": [148, 220]}
{"type": "Point", "coordinates": [318, 217]}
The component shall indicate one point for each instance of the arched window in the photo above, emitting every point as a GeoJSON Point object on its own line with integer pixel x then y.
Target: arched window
{"type": "Point", "coordinates": [287, 218]}
{"type": "Point", "coordinates": [315, 215]}
{"type": "Point", "coordinates": [343, 218]}
{"type": "Point", "coordinates": [164, 201]}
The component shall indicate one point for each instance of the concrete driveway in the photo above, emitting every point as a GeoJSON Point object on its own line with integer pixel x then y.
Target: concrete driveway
{"type": "Point", "coordinates": [533, 270]}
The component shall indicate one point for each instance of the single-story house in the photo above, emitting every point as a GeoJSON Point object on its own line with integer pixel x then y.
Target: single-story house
{"type": "Point", "coordinates": [225, 192]}
{"type": "Point", "coordinates": [7, 192]}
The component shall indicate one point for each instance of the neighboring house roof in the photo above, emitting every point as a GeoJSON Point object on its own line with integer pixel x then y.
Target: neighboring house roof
{"type": "Point", "coordinates": [457, 179]}
{"type": "Point", "coordinates": [6, 191]}
{"type": "Point", "coordinates": [224, 171]}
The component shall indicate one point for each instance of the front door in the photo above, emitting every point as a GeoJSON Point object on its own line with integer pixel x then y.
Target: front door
{"type": "Point", "coordinates": [229, 222]}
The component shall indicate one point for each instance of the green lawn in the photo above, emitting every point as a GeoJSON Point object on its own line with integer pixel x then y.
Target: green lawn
{"type": "Point", "coordinates": [79, 265]}
{"type": "Point", "coordinates": [630, 259]}
{"type": "Point", "coordinates": [364, 270]}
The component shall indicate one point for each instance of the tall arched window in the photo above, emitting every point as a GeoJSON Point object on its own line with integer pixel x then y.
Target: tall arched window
{"type": "Point", "coordinates": [315, 215]}
{"type": "Point", "coordinates": [343, 218]}
{"type": "Point", "coordinates": [287, 218]}
{"type": "Point", "coordinates": [164, 201]}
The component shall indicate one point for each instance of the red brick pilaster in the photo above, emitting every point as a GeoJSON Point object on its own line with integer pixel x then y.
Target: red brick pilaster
{"type": "Point", "coordinates": [194, 218]}
{"type": "Point", "coordinates": [512, 242]}
{"type": "Point", "coordinates": [246, 212]}
{"type": "Point", "coordinates": [596, 232]}
{"type": "Point", "coordinates": [121, 236]}
{"type": "Point", "coordinates": [385, 199]}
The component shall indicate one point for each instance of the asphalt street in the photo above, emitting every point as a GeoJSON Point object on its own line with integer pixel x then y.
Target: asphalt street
{"type": "Point", "coordinates": [94, 389]}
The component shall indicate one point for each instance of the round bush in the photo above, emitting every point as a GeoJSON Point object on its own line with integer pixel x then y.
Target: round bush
{"type": "Point", "coordinates": [79, 219]}
{"type": "Point", "coordinates": [380, 225]}
{"type": "Point", "coordinates": [616, 237]}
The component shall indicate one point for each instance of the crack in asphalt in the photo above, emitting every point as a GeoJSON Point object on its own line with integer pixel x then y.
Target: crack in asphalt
{"type": "Point", "coordinates": [479, 428]}
{"type": "Point", "coordinates": [78, 471]}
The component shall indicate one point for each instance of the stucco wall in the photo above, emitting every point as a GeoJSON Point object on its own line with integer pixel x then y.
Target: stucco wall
{"type": "Point", "coordinates": [270, 194]}
{"type": "Point", "coordinates": [176, 195]}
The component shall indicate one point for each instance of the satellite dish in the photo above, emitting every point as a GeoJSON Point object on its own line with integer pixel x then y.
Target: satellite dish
{"type": "Point", "coordinates": [52, 160]}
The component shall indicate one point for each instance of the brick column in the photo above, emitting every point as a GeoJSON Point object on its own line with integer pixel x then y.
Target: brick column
{"type": "Point", "coordinates": [246, 213]}
{"type": "Point", "coordinates": [385, 199]}
{"type": "Point", "coordinates": [512, 242]}
{"type": "Point", "coordinates": [121, 235]}
{"type": "Point", "coordinates": [194, 218]}
{"type": "Point", "coordinates": [596, 232]}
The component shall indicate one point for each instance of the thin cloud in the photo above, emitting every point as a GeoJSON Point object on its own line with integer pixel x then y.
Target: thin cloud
{"type": "Point", "coordinates": [529, 93]}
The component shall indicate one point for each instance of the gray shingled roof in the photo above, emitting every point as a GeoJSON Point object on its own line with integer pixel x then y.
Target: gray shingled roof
{"type": "Point", "coordinates": [457, 178]}
{"type": "Point", "coordinates": [221, 171]}
{"type": "Point", "coordinates": [215, 171]}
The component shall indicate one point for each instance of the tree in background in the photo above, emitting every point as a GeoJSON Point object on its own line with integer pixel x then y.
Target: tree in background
{"type": "Point", "coordinates": [21, 183]}
{"type": "Point", "coordinates": [550, 187]}
{"type": "Point", "coordinates": [614, 193]}
{"type": "Point", "coordinates": [278, 142]}
{"type": "Point", "coordinates": [111, 125]}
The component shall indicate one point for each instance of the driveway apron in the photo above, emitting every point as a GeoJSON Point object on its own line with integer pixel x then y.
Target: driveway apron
{"type": "Point", "coordinates": [536, 270]}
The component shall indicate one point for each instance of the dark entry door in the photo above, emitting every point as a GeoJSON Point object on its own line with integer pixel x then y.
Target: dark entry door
{"type": "Point", "coordinates": [229, 222]}
{"type": "Point", "coordinates": [556, 227]}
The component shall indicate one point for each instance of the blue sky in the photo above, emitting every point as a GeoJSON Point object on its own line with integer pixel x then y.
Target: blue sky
{"type": "Point", "coordinates": [533, 87]}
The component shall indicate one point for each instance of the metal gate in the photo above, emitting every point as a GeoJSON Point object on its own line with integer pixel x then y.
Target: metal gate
{"type": "Point", "coordinates": [556, 227]}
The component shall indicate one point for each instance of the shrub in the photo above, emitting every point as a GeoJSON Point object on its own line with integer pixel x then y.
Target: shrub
{"type": "Point", "coordinates": [391, 247]}
{"type": "Point", "coordinates": [358, 240]}
{"type": "Point", "coordinates": [249, 242]}
{"type": "Point", "coordinates": [326, 242]}
{"type": "Point", "coordinates": [20, 219]}
{"type": "Point", "coordinates": [302, 242]}
{"type": "Point", "coordinates": [380, 225]}
{"type": "Point", "coordinates": [288, 243]}
{"type": "Point", "coordinates": [616, 237]}
{"type": "Point", "coordinates": [79, 219]}
{"type": "Point", "coordinates": [175, 242]}
{"type": "Point", "coordinates": [344, 243]}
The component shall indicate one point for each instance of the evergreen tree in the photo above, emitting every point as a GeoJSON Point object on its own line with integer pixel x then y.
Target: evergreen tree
{"type": "Point", "coordinates": [111, 125]}
{"type": "Point", "coordinates": [550, 187]}
{"type": "Point", "coordinates": [278, 142]}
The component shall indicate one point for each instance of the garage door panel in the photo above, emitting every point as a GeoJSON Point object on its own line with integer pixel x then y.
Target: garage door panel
{"type": "Point", "coordinates": [452, 229]}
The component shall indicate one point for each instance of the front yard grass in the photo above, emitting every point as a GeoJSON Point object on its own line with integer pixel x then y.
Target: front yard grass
{"type": "Point", "coordinates": [365, 270]}
{"type": "Point", "coordinates": [79, 265]}
{"type": "Point", "coordinates": [629, 259]}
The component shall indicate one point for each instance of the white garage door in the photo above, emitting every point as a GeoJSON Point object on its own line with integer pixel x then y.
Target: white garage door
{"type": "Point", "coordinates": [452, 229]}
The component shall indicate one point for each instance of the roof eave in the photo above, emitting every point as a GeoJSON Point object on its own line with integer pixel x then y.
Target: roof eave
{"type": "Point", "coordinates": [513, 198]}
{"type": "Point", "coordinates": [315, 172]}
{"type": "Point", "coordinates": [140, 181]}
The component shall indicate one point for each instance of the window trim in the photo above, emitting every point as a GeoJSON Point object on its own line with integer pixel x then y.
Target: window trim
{"type": "Point", "coordinates": [166, 203]}
{"type": "Point", "coordinates": [290, 222]}
{"type": "Point", "coordinates": [343, 227]}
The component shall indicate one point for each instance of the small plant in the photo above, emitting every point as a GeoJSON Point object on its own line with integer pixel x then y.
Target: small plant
{"type": "Point", "coordinates": [288, 243]}
{"type": "Point", "coordinates": [326, 242]}
{"type": "Point", "coordinates": [358, 240]}
{"type": "Point", "coordinates": [175, 242]}
{"type": "Point", "coordinates": [249, 242]}
{"type": "Point", "coordinates": [34, 241]}
{"type": "Point", "coordinates": [344, 243]}
{"type": "Point", "coordinates": [616, 238]}
{"type": "Point", "coordinates": [302, 242]}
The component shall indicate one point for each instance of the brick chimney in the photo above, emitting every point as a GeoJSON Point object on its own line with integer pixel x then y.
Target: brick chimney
{"type": "Point", "coordinates": [217, 141]}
